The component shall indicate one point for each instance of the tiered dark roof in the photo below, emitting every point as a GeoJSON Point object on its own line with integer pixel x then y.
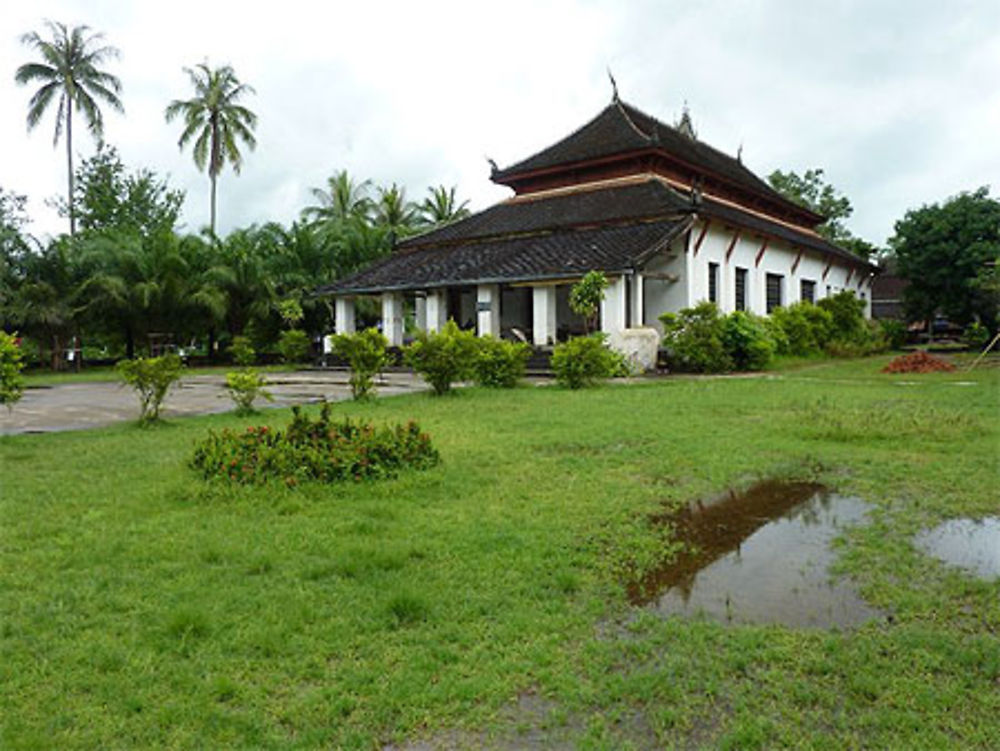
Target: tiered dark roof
{"type": "Point", "coordinates": [620, 129]}
{"type": "Point", "coordinates": [561, 236]}
{"type": "Point", "coordinates": [586, 219]}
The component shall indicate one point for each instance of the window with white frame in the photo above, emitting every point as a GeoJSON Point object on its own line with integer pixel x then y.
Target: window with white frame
{"type": "Point", "coordinates": [741, 288]}
{"type": "Point", "coordinates": [774, 283]}
{"type": "Point", "coordinates": [713, 283]}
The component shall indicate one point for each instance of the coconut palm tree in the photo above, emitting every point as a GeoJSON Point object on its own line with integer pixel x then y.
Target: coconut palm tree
{"type": "Point", "coordinates": [343, 199]}
{"type": "Point", "coordinates": [441, 207]}
{"type": "Point", "coordinates": [69, 72]}
{"type": "Point", "coordinates": [215, 120]}
{"type": "Point", "coordinates": [393, 212]}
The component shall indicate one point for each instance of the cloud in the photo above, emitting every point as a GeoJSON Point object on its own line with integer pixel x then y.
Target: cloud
{"type": "Point", "coordinates": [897, 102]}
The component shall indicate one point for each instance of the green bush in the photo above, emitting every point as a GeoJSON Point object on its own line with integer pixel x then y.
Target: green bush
{"type": "Point", "coordinates": [894, 332]}
{"type": "Point", "coordinates": [11, 364]}
{"type": "Point", "coordinates": [747, 341]}
{"type": "Point", "coordinates": [806, 328]}
{"type": "Point", "coordinates": [584, 360]}
{"type": "Point", "coordinates": [500, 364]}
{"type": "Point", "coordinates": [976, 336]}
{"type": "Point", "coordinates": [245, 387]}
{"type": "Point", "coordinates": [242, 351]}
{"type": "Point", "coordinates": [443, 357]}
{"type": "Point", "coordinates": [365, 353]}
{"type": "Point", "coordinates": [294, 346]}
{"type": "Point", "coordinates": [585, 297]}
{"type": "Point", "coordinates": [151, 378]}
{"type": "Point", "coordinates": [320, 450]}
{"type": "Point", "coordinates": [693, 340]}
{"type": "Point", "coordinates": [847, 317]}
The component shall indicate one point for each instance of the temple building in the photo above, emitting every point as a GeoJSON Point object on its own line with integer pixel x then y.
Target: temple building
{"type": "Point", "coordinates": [670, 220]}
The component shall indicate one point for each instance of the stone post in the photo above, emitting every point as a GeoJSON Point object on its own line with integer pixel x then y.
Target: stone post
{"type": "Point", "coordinates": [343, 311]}
{"type": "Point", "coordinates": [488, 309]}
{"type": "Point", "coordinates": [392, 318]}
{"type": "Point", "coordinates": [543, 315]}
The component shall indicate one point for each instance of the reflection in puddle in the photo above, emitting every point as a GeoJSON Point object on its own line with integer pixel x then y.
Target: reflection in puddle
{"type": "Point", "coordinates": [972, 544]}
{"type": "Point", "coordinates": [761, 556]}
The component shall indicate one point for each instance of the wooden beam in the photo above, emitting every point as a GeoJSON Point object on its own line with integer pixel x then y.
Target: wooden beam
{"type": "Point", "coordinates": [849, 275]}
{"type": "Point", "coordinates": [760, 253]}
{"type": "Point", "coordinates": [663, 277]}
{"type": "Point", "coordinates": [798, 259]}
{"type": "Point", "coordinates": [827, 270]}
{"type": "Point", "coordinates": [701, 237]}
{"type": "Point", "coordinates": [732, 244]}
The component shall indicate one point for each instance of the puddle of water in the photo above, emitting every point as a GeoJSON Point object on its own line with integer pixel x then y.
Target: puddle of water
{"type": "Point", "coordinates": [760, 556]}
{"type": "Point", "coordinates": [972, 544]}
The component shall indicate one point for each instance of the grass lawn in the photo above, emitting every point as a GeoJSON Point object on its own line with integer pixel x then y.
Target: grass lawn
{"type": "Point", "coordinates": [41, 378]}
{"type": "Point", "coordinates": [140, 607]}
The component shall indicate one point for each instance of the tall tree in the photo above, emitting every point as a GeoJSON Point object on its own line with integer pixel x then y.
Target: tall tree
{"type": "Point", "coordinates": [343, 199]}
{"type": "Point", "coordinates": [394, 212]}
{"type": "Point", "coordinates": [813, 192]}
{"type": "Point", "coordinates": [945, 251]}
{"type": "Point", "coordinates": [216, 121]}
{"type": "Point", "coordinates": [69, 72]}
{"type": "Point", "coordinates": [442, 207]}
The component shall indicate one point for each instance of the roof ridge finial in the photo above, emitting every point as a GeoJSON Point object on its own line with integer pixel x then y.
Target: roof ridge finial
{"type": "Point", "coordinates": [614, 87]}
{"type": "Point", "coordinates": [684, 125]}
{"type": "Point", "coordinates": [739, 153]}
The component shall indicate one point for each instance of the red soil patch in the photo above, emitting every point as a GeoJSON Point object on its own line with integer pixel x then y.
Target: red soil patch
{"type": "Point", "coordinates": [918, 362]}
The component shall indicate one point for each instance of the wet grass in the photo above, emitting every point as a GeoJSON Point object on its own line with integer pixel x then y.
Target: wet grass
{"type": "Point", "coordinates": [141, 608]}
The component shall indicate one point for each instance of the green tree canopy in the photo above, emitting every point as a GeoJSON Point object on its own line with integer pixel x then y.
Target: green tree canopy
{"type": "Point", "coordinates": [945, 251]}
{"type": "Point", "coordinates": [442, 207]}
{"type": "Point", "coordinates": [68, 71]}
{"type": "Point", "coordinates": [215, 120]}
{"type": "Point", "coordinates": [813, 192]}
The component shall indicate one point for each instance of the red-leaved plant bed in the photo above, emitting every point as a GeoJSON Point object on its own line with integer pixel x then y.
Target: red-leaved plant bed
{"type": "Point", "coordinates": [322, 450]}
{"type": "Point", "coordinates": [918, 362]}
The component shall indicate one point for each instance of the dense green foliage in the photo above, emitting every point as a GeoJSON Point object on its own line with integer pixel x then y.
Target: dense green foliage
{"type": "Point", "coordinates": [11, 364]}
{"type": "Point", "coordinates": [747, 340]}
{"type": "Point", "coordinates": [365, 353]}
{"type": "Point", "coordinates": [242, 351]}
{"type": "Point", "coordinates": [151, 378]}
{"type": "Point", "coordinates": [693, 339]}
{"type": "Point", "coordinates": [482, 604]}
{"type": "Point", "coordinates": [443, 357]}
{"type": "Point", "coordinates": [245, 387]}
{"type": "Point", "coordinates": [945, 252]}
{"type": "Point", "coordinates": [294, 346]}
{"type": "Point", "coordinates": [813, 192]}
{"type": "Point", "coordinates": [584, 361]}
{"type": "Point", "coordinates": [585, 297]}
{"type": "Point", "coordinates": [322, 450]}
{"type": "Point", "coordinates": [499, 363]}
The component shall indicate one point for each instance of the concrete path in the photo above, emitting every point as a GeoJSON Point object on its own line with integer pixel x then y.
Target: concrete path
{"type": "Point", "coordinates": [75, 406]}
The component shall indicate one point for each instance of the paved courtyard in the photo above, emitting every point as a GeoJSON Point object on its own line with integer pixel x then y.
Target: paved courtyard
{"type": "Point", "coordinates": [75, 406]}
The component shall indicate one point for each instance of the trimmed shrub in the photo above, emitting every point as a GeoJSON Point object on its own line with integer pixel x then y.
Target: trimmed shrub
{"type": "Point", "coordinates": [584, 360]}
{"type": "Point", "coordinates": [747, 340]}
{"type": "Point", "coordinates": [976, 336]}
{"type": "Point", "coordinates": [693, 340]}
{"type": "Point", "coordinates": [11, 364]}
{"type": "Point", "coordinates": [443, 357]}
{"type": "Point", "coordinates": [365, 352]}
{"type": "Point", "coordinates": [500, 364]}
{"type": "Point", "coordinates": [847, 317]}
{"type": "Point", "coordinates": [294, 346]}
{"type": "Point", "coordinates": [242, 351]}
{"type": "Point", "coordinates": [321, 450]}
{"type": "Point", "coordinates": [806, 328]}
{"type": "Point", "coordinates": [152, 378]}
{"type": "Point", "coordinates": [244, 387]}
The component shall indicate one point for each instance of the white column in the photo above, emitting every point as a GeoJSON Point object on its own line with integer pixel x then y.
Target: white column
{"type": "Point", "coordinates": [543, 315]}
{"type": "Point", "coordinates": [488, 309]}
{"type": "Point", "coordinates": [636, 314]}
{"type": "Point", "coordinates": [392, 318]}
{"type": "Point", "coordinates": [343, 312]}
{"type": "Point", "coordinates": [437, 310]}
{"type": "Point", "coordinates": [613, 307]}
{"type": "Point", "coordinates": [420, 312]}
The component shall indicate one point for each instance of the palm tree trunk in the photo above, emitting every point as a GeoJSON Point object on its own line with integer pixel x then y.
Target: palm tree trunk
{"type": "Point", "coordinates": [213, 204]}
{"type": "Point", "coordinates": [69, 162]}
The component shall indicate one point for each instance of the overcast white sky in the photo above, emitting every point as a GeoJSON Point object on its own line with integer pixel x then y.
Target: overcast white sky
{"type": "Point", "coordinates": [898, 101]}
